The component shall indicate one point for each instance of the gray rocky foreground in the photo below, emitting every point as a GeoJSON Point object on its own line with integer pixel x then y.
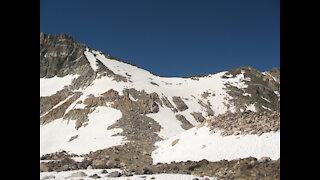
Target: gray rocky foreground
{"type": "Point", "coordinates": [238, 169]}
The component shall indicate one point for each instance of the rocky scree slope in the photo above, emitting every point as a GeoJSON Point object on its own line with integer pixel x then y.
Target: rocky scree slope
{"type": "Point", "coordinates": [117, 110]}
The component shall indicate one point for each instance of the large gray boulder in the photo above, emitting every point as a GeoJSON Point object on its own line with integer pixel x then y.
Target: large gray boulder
{"type": "Point", "coordinates": [78, 174]}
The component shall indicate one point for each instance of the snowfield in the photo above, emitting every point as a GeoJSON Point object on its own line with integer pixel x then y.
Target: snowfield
{"type": "Point", "coordinates": [92, 60]}
{"type": "Point", "coordinates": [49, 86]}
{"type": "Point", "coordinates": [169, 126]}
{"type": "Point", "coordinates": [196, 144]}
{"type": "Point", "coordinates": [55, 136]}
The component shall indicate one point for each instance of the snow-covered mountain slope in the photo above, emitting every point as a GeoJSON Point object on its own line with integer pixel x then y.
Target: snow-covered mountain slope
{"type": "Point", "coordinates": [93, 137]}
{"type": "Point", "coordinates": [196, 144]}
{"type": "Point", "coordinates": [90, 100]}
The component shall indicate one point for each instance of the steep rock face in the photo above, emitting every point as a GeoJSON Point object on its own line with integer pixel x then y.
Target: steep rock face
{"type": "Point", "coordinates": [180, 104]}
{"type": "Point", "coordinates": [60, 55]}
{"type": "Point", "coordinates": [59, 111]}
{"type": "Point", "coordinates": [185, 124]}
{"type": "Point", "coordinates": [151, 107]}
{"type": "Point", "coordinates": [261, 90]}
{"type": "Point", "coordinates": [274, 74]}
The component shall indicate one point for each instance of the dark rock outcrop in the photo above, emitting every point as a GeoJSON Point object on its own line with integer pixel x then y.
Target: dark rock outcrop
{"type": "Point", "coordinates": [260, 90]}
{"type": "Point", "coordinates": [168, 104]}
{"type": "Point", "coordinates": [185, 123]}
{"type": "Point", "coordinates": [180, 104]}
{"type": "Point", "coordinates": [60, 55]}
{"type": "Point", "coordinates": [59, 111]}
{"type": "Point", "coordinates": [198, 116]}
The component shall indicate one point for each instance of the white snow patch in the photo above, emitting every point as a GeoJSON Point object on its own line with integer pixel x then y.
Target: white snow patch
{"type": "Point", "coordinates": [77, 159]}
{"type": "Point", "coordinates": [251, 107]}
{"type": "Point", "coordinates": [67, 174]}
{"type": "Point", "coordinates": [50, 86]}
{"type": "Point", "coordinates": [132, 98]}
{"type": "Point", "coordinates": [266, 108]}
{"type": "Point", "coordinates": [96, 52]}
{"type": "Point", "coordinates": [246, 94]}
{"type": "Point", "coordinates": [79, 106]}
{"type": "Point", "coordinates": [265, 99]}
{"type": "Point", "coordinates": [55, 135]}
{"type": "Point", "coordinates": [233, 109]}
{"type": "Point", "coordinates": [122, 68]}
{"type": "Point", "coordinates": [170, 126]}
{"type": "Point", "coordinates": [102, 85]}
{"type": "Point", "coordinates": [277, 93]}
{"type": "Point", "coordinates": [190, 146]}
{"type": "Point", "coordinates": [45, 161]}
{"type": "Point", "coordinates": [238, 81]}
{"type": "Point", "coordinates": [92, 59]}
{"type": "Point", "coordinates": [109, 104]}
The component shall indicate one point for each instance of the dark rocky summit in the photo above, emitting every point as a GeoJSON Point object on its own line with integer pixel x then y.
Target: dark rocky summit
{"type": "Point", "coordinates": [61, 55]}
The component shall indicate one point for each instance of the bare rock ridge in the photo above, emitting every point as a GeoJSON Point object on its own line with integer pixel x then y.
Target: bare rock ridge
{"type": "Point", "coordinates": [246, 123]}
{"type": "Point", "coordinates": [260, 90]}
{"type": "Point", "coordinates": [88, 88]}
{"type": "Point", "coordinates": [60, 55]}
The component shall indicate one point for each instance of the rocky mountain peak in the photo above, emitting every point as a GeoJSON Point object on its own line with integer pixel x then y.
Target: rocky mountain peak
{"type": "Point", "coordinates": [274, 73]}
{"type": "Point", "coordinates": [57, 38]}
{"type": "Point", "coordinates": [60, 55]}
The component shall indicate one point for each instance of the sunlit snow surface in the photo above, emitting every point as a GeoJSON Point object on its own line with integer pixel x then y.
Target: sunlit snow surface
{"type": "Point", "coordinates": [92, 60]}
{"type": "Point", "coordinates": [49, 86]}
{"type": "Point", "coordinates": [197, 144]}
{"type": "Point", "coordinates": [55, 136]}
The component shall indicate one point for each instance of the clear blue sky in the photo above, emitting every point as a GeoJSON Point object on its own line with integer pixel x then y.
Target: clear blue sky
{"type": "Point", "coordinates": [173, 37]}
